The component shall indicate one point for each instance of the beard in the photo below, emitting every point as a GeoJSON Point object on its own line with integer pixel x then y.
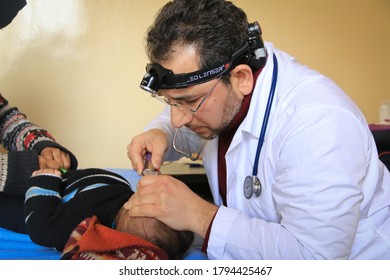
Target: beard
{"type": "Point", "coordinates": [231, 109]}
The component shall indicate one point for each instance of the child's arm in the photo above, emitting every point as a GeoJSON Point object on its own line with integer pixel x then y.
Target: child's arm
{"type": "Point", "coordinates": [43, 207]}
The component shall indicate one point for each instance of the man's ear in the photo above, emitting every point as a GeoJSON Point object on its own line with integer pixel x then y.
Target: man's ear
{"type": "Point", "coordinates": [242, 79]}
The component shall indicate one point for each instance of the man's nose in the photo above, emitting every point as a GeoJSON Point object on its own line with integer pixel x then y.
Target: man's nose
{"type": "Point", "coordinates": [180, 117]}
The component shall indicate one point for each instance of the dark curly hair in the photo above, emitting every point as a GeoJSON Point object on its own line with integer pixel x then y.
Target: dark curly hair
{"type": "Point", "coordinates": [215, 27]}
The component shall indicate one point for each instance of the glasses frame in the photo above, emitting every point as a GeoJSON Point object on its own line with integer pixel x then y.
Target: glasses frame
{"type": "Point", "coordinates": [167, 101]}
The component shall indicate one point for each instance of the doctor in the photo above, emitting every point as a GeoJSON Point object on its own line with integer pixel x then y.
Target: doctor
{"type": "Point", "coordinates": [291, 163]}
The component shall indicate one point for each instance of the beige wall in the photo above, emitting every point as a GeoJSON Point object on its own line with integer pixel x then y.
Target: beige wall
{"type": "Point", "coordinates": [74, 66]}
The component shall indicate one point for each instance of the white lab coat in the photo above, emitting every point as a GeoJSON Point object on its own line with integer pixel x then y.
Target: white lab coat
{"type": "Point", "coordinates": [325, 194]}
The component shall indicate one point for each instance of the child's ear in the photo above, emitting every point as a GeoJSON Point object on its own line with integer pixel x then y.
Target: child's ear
{"type": "Point", "coordinates": [242, 79]}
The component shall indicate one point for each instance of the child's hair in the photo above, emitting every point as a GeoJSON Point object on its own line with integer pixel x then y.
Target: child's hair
{"type": "Point", "coordinates": [174, 243]}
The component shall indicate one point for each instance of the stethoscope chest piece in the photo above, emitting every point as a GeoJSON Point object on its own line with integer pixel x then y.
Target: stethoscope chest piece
{"type": "Point", "coordinates": [252, 186]}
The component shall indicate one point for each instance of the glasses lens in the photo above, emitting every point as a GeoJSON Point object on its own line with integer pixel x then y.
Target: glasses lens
{"type": "Point", "coordinates": [188, 143]}
{"type": "Point", "coordinates": [184, 105]}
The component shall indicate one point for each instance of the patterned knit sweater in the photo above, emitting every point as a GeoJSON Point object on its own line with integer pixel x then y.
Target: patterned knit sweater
{"type": "Point", "coordinates": [24, 141]}
{"type": "Point", "coordinates": [54, 206]}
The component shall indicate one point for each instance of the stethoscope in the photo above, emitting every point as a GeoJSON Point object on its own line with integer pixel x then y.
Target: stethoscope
{"type": "Point", "coordinates": [252, 184]}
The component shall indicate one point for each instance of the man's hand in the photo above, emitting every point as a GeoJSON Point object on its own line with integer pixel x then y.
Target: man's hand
{"type": "Point", "coordinates": [172, 202]}
{"type": "Point", "coordinates": [153, 141]}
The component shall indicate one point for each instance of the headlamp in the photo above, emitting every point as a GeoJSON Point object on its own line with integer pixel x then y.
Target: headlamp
{"type": "Point", "coordinates": [252, 53]}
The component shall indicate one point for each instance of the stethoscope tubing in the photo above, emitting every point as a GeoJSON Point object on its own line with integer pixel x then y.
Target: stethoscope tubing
{"type": "Point", "coordinates": [266, 116]}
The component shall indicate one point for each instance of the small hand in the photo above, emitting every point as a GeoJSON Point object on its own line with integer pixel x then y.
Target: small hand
{"type": "Point", "coordinates": [47, 171]}
{"type": "Point", "coordinates": [53, 158]}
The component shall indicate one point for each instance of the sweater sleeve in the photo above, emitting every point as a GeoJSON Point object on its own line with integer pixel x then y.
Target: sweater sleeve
{"type": "Point", "coordinates": [24, 141]}
{"type": "Point", "coordinates": [16, 132]}
{"type": "Point", "coordinates": [43, 211]}
{"type": "Point", "coordinates": [15, 169]}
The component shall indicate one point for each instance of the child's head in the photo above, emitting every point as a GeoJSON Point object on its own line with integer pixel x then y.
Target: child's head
{"type": "Point", "coordinates": [174, 243]}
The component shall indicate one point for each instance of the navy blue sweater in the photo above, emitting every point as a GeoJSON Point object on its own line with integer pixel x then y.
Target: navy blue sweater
{"type": "Point", "coordinates": [54, 206]}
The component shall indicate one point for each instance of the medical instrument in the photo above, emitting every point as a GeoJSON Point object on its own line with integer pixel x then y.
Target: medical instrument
{"type": "Point", "coordinates": [188, 143]}
{"type": "Point", "coordinates": [149, 168]}
{"type": "Point", "coordinates": [252, 52]}
{"type": "Point", "coordinates": [252, 184]}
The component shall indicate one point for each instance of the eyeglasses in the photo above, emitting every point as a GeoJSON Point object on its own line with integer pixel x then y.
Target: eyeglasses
{"type": "Point", "coordinates": [184, 104]}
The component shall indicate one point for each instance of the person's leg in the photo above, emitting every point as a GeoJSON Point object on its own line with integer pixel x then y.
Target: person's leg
{"type": "Point", "coordinates": [12, 212]}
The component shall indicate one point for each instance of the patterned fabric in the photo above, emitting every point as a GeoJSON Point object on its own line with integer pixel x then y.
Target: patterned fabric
{"type": "Point", "coordinates": [93, 241]}
{"type": "Point", "coordinates": [16, 132]}
{"type": "Point", "coordinates": [24, 141]}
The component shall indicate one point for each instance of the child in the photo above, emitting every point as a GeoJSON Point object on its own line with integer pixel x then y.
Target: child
{"type": "Point", "coordinates": [88, 204]}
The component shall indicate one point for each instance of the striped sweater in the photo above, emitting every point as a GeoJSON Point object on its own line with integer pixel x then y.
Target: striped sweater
{"type": "Point", "coordinates": [54, 206]}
